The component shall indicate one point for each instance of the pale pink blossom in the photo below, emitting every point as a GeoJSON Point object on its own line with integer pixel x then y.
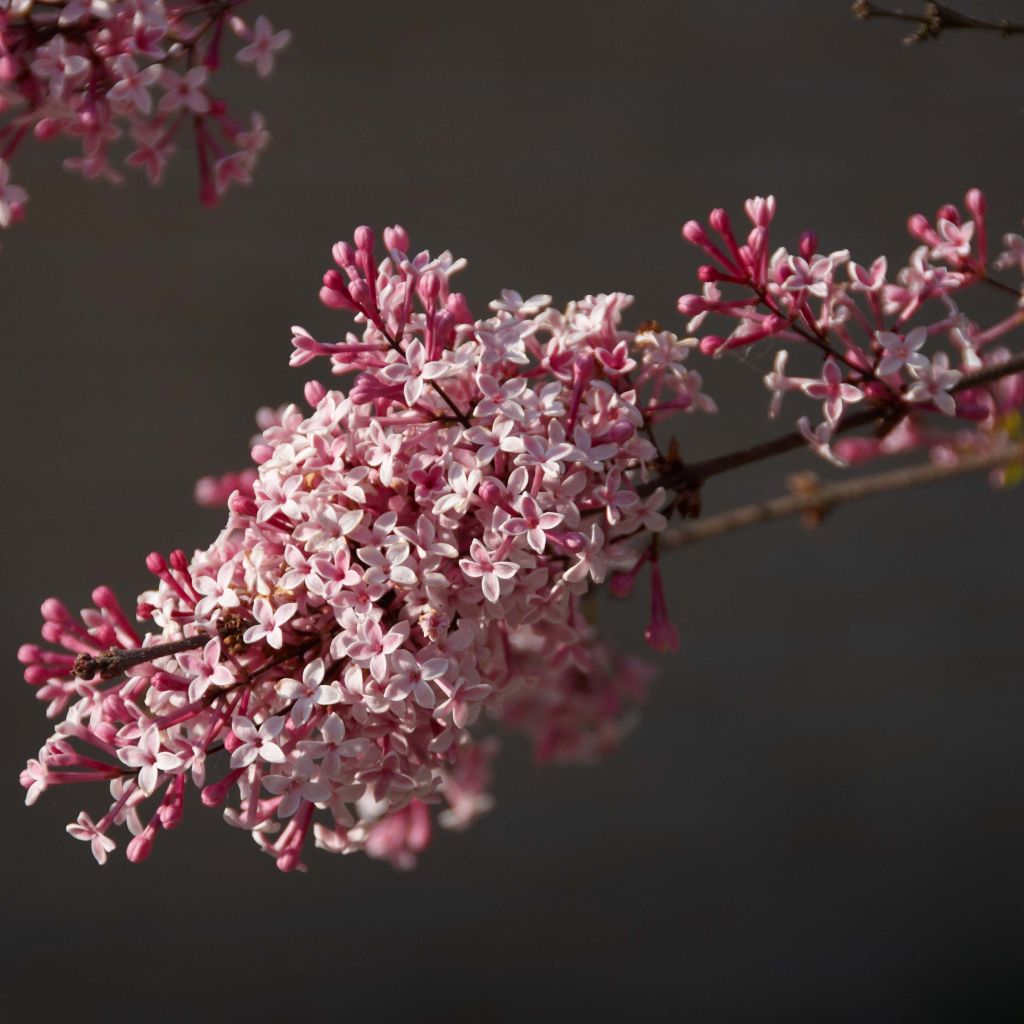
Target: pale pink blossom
{"type": "Point", "coordinates": [256, 743]}
{"type": "Point", "coordinates": [269, 622]}
{"type": "Point", "coordinates": [264, 44]}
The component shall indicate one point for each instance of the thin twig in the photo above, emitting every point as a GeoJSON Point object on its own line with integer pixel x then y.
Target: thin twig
{"type": "Point", "coordinates": [934, 20]}
{"type": "Point", "coordinates": [694, 474]}
{"type": "Point", "coordinates": [820, 500]}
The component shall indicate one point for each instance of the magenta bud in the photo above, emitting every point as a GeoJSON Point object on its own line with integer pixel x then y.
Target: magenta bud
{"type": "Point", "coordinates": [974, 200]}
{"type": "Point", "coordinates": [429, 287]}
{"type": "Point", "coordinates": [694, 233]}
{"type": "Point", "coordinates": [314, 392]}
{"type": "Point", "coordinates": [155, 563]}
{"type": "Point", "coordinates": [216, 792]}
{"type": "Point", "coordinates": [170, 811]}
{"type": "Point", "coordinates": [573, 541]}
{"type": "Point", "coordinates": [54, 610]}
{"type": "Point", "coordinates": [144, 611]}
{"type": "Point", "coordinates": [47, 128]}
{"type": "Point", "coordinates": [691, 305]}
{"type": "Point", "coordinates": [288, 860]}
{"type": "Point", "coordinates": [335, 293]}
{"type": "Point", "coordinates": [621, 584]}
{"type": "Point", "coordinates": [103, 597]}
{"type": "Point", "coordinates": [364, 238]}
{"type": "Point", "coordinates": [712, 345]}
{"type": "Point", "coordinates": [459, 308]}
{"type": "Point", "coordinates": [179, 561]}
{"type": "Point", "coordinates": [343, 254]}
{"type": "Point", "coordinates": [242, 505]}
{"type": "Point", "coordinates": [52, 632]}
{"type": "Point", "coordinates": [856, 450]}
{"type": "Point", "coordinates": [360, 293]}
{"type": "Point", "coordinates": [706, 273]}
{"type": "Point", "coordinates": [618, 433]}
{"type": "Point", "coordinates": [260, 453]}
{"type": "Point", "coordinates": [141, 846]}
{"type": "Point", "coordinates": [808, 244]}
{"type": "Point", "coordinates": [397, 238]}
{"type": "Point", "coordinates": [28, 654]}
{"type": "Point", "coordinates": [36, 675]}
{"type": "Point", "coordinates": [948, 212]}
{"type": "Point", "coordinates": [491, 493]}
{"type": "Point", "coordinates": [719, 220]}
{"type": "Point", "coordinates": [918, 226]}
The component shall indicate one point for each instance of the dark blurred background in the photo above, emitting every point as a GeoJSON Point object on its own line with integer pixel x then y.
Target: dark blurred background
{"type": "Point", "coordinates": [821, 815]}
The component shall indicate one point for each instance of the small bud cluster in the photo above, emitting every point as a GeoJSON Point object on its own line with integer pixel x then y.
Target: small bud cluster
{"type": "Point", "coordinates": [96, 71]}
{"type": "Point", "coordinates": [409, 558]}
{"type": "Point", "coordinates": [873, 334]}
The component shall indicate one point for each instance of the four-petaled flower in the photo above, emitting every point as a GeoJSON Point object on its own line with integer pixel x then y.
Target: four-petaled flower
{"type": "Point", "coordinates": [264, 44]}
{"type": "Point", "coordinates": [832, 389]}
{"type": "Point", "coordinates": [932, 383]}
{"type": "Point", "coordinates": [483, 566]}
{"type": "Point", "coordinates": [257, 743]}
{"type": "Point", "coordinates": [898, 352]}
{"type": "Point", "coordinates": [269, 622]}
{"type": "Point", "coordinates": [149, 758]}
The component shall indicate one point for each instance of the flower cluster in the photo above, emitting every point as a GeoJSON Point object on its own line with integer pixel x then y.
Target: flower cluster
{"type": "Point", "coordinates": [407, 557]}
{"type": "Point", "coordinates": [873, 335]}
{"type": "Point", "coordinates": [95, 71]}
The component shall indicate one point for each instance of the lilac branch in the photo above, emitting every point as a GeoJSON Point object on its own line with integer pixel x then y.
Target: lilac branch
{"type": "Point", "coordinates": [820, 500]}
{"type": "Point", "coordinates": [934, 20]}
{"type": "Point", "coordinates": [692, 476]}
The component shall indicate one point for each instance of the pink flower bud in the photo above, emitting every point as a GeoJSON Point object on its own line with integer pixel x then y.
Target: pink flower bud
{"type": "Point", "coordinates": [975, 202]}
{"type": "Point", "coordinates": [156, 563]}
{"type": "Point", "coordinates": [712, 344]}
{"type": "Point", "coordinates": [694, 233]}
{"type": "Point", "coordinates": [314, 392]}
{"type": "Point", "coordinates": [141, 846]}
{"type": "Point", "coordinates": [459, 308]}
{"type": "Point", "coordinates": [54, 610]}
{"type": "Point", "coordinates": [242, 505]}
{"type": "Point", "coordinates": [344, 255]}
{"type": "Point", "coordinates": [397, 238]}
{"type": "Point", "coordinates": [364, 238]}
{"type": "Point", "coordinates": [691, 305]}
{"type": "Point", "coordinates": [719, 220]}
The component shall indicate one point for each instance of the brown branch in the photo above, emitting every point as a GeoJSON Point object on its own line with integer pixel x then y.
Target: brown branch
{"type": "Point", "coordinates": [119, 659]}
{"type": "Point", "coordinates": [934, 20]}
{"type": "Point", "coordinates": [692, 476]}
{"type": "Point", "coordinates": [820, 500]}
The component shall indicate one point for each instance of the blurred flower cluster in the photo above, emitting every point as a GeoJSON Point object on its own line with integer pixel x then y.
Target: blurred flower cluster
{"type": "Point", "coordinates": [99, 71]}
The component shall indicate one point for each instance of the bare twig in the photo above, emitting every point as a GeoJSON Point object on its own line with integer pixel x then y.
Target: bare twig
{"type": "Point", "coordinates": [820, 500]}
{"type": "Point", "coordinates": [934, 20]}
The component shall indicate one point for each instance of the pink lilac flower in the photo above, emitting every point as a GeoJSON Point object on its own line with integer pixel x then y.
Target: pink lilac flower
{"type": "Point", "coordinates": [85, 69]}
{"type": "Point", "coordinates": [899, 352]}
{"type": "Point", "coordinates": [263, 46]}
{"type": "Point", "coordinates": [410, 559]}
{"type": "Point", "coordinates": [932, 383]}
{"type": "Point", "coordinates": [833, 391]}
